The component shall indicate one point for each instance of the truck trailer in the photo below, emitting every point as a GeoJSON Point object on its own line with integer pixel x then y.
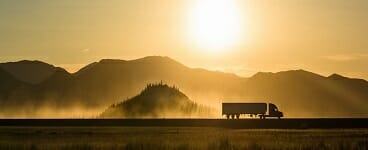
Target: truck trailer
{"type": "Point", "coordinates": [234, 110]}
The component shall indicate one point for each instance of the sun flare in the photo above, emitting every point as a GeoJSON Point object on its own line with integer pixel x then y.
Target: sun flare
{"type": "Point", "coordinates": [215, 24]}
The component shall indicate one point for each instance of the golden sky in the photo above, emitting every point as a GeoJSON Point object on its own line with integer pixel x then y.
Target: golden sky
{"type": "Point", "coordinates": [239, 36]}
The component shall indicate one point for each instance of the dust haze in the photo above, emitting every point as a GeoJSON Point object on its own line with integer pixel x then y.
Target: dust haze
{"type": "Point", "coordinates": [90, 91]}
{"type": "Point", "coordinates": [50, 110]}
{"type": "Point", "coordinates": [159, 100]}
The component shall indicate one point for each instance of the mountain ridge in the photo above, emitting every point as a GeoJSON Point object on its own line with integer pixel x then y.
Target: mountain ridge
{"type": "Point", "coordinates": [150, 59]}
{"type": "Point", "coordinates": [101, 83]}
{"type": "Point", "coordinates": [30, 71]}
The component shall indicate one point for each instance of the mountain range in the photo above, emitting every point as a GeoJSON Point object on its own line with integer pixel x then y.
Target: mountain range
{"type": "Point", "coordinates": [32, 88]}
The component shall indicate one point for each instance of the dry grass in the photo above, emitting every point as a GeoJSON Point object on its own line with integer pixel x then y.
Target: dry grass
{"type": "Point", "coordinates": [89, 138]}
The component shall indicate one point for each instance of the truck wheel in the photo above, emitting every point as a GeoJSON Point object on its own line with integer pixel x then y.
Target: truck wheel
{"type": "Point", "coordinates": [237, 116]}
{"type": "Point", "coordinates": [232, 116]}
{"type": "Point", "coordinates": [227, 116]}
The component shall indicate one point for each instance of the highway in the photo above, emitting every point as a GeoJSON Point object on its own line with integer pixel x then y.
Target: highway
{"type": "Point", "coordinates": [288, 123]}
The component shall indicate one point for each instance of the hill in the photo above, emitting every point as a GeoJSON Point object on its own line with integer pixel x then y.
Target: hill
{"type": "Point", "coordinates": [298, 93]}
{"type": "Point", "coordinates": [32, 72]}
{"type": "Point", "coordinates": [157, 101]}
{"type": "Point", "coordinates": [8, 84]}
{"type": "Point", "coordinates": [303, 93]}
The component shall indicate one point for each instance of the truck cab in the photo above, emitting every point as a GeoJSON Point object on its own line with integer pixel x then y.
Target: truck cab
{"type": "Point", "coordinates": [273, 111]}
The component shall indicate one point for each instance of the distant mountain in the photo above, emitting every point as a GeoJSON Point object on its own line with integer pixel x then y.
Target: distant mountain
{"type": "Point", "coordinates": [298, 93]}
{"type": "Point", "coordinates": [99, 84]}
{"type": "Point", "coordinates": [32, 72]}
{"type": "Point", "coordinates": [303, 93]}
{"type": "Point", "coordinates": [157, 101]}
{"type": "Point", "coordinates": [8, 84]}
{"type": "Point", "coordinates": [117, 79]}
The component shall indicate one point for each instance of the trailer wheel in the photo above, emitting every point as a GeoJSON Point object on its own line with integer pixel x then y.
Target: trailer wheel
{"type": "Point", "coordinates": [227, 116]}
{"type": "Point", "coordinates": [232, 116]}
{"type": "Point", "coordinates": [237, 116]}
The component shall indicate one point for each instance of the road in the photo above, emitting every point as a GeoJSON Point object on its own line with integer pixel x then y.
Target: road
{"type": "Point", "coordinates": [289, 123]}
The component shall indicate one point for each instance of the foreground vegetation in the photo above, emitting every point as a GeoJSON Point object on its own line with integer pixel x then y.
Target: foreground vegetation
{"type": "Point", "coordinates": [86, 138]}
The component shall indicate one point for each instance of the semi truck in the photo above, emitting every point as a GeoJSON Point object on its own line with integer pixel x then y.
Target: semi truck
{"type": "Point", "coordinates": [234, 110]}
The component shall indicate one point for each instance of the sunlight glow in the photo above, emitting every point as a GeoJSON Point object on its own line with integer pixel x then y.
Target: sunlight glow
{"type": "Point", "coordinates": [215, 24]}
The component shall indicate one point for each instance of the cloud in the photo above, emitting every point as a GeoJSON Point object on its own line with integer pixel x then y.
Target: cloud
{"type": "Point", "coordinates": [85, 50]}
{"type": "Point", "coordinates": [346, 57]}
{"type": "Point", "coordinates": [342, 57]}
{"type": "Point", "coordinates": [364, 55]}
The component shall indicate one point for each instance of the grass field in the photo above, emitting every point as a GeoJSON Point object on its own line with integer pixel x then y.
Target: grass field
{"type": "Point", "coordinates": [180, 138]}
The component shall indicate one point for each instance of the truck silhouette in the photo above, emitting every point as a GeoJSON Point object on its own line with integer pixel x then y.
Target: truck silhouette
{"type": "Point", "coordinates": [234, 110]}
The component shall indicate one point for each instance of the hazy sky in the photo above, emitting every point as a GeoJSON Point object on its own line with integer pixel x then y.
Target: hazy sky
{"type": "Point", "coordinates": [239, 36]}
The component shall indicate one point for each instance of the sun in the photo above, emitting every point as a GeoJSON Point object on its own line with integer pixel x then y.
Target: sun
{"type": "Point", "coordinates": [215, 24]}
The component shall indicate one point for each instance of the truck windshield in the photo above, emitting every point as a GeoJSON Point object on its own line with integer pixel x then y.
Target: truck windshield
{"type": "Point", "coordinates": [273, 107]}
